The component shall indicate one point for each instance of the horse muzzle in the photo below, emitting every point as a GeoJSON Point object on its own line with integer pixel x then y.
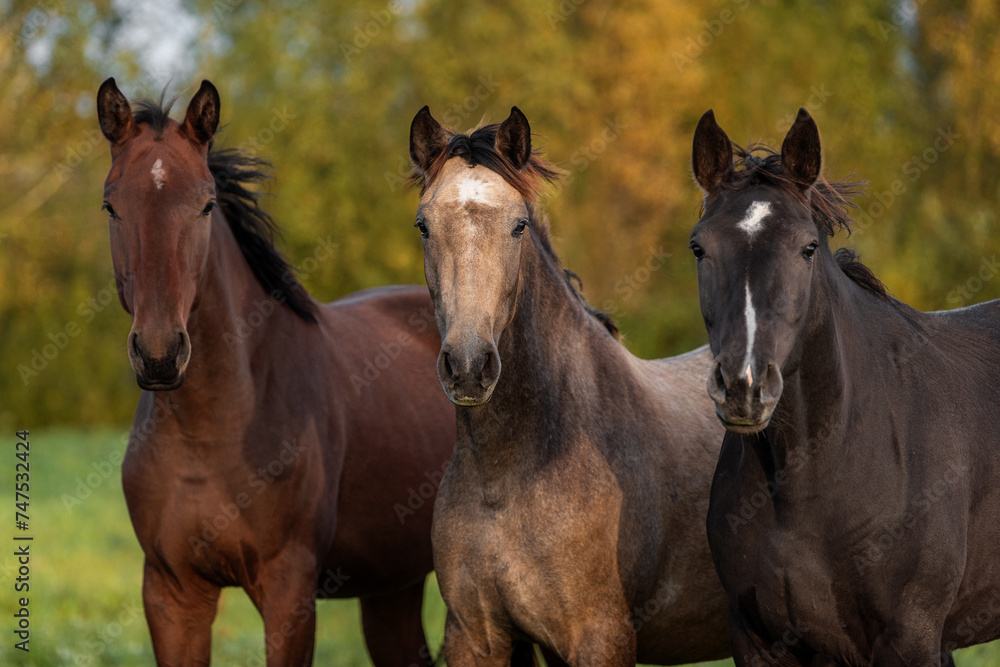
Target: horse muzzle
{"type": "Point", "coordinates": [744, 402]}
{"type": "Point", "coordinates": [159, 360]}
{"type": "Point", "coordinates": [469, 373]}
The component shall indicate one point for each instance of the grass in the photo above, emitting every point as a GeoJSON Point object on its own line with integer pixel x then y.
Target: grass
{"type": "Point", "coordinates": [86, 572]}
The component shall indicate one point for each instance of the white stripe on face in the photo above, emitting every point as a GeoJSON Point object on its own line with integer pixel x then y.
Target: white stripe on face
{"type": "Point", "coordinates": [159, 174]}
{"type": "Point", "coordinates": [754, 219]}
{"type": "Point", "coordinates": [472, 189]}
{"type": "Point", "coordinates": [751, 316]}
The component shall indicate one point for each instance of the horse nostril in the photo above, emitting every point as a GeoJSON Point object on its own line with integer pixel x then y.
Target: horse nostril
{"type": "Point", "coordinates": [137, 349]}
{"type": "Point", "coordinates": [717, 384]}
{"type": "Point", "coordinates": [183, 348]}
{"type": "Point", "coordinates": [491, 368]}
{"type": "Point", "coordinates": [447, 364]}
{"type": "Point", "coordinates": [773, 383]}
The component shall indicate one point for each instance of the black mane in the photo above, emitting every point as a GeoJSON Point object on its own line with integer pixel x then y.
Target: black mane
{"type": "Point", "coordinates": [254, 229]}
{"type": "Point", "coordinates": [830, 204]}
{"type": "Point", "coordinates": [540, 231]}
{"type": "Point", "coordinates": [235, 172]}
{"type": "Point", "coordinates": [156, 114]}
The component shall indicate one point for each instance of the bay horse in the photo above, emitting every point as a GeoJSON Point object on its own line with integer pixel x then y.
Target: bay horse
{"type": "Point", "coordinates": [275, 435]}
{"type": "Point", "coordinates": [572, 512]}
{"type": "Point", "coordinates": [855, 511]}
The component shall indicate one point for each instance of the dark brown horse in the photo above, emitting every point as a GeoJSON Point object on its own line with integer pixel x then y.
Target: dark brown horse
{"type": "Point", "coordinates": [286, 435]}
{"type": "Point", "coordinates": [855, 511]}
{"type": "Point", "coordinates": [572, 513]}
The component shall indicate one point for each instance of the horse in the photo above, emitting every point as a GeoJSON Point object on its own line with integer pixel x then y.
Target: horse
{"type": "Point", "coordinates": [854, 511]}
{"type": "Point", "coordinates": [277, 439]}
{"type": "Point", "coordinates": [572, 511]}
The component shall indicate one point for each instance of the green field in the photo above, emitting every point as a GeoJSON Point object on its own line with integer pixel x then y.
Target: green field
{"type": "Point", "coordinates": [85, 605]}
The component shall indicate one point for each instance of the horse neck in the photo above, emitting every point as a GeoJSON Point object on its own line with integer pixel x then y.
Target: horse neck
{"type": "Point", "coordinates": [839, 347]}
{"type": "Point", "coordinates": [234, 317]}
{"type": "Point", "coordinates": [544, 352]}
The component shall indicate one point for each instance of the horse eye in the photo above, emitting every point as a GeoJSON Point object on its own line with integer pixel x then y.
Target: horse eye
{"type": "Point", "coordinates": [697, 250]}
{"type": "Point", "coordinates": [519, 230]}
{"type": "Point", "coordinates": [810, 250]}
{"type": "Point", "coordinates": [207, 211]}
{"type": "Point", "coordinates": [111, 212]}
{"type": "Point", "coordinates": [422, 227]}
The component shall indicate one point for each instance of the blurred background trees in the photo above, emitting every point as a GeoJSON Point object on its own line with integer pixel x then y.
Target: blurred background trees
{"type": "Point", "coordinates": [905, 94]}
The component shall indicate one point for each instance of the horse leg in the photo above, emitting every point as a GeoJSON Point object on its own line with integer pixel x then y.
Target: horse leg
{"type": "Point", "coordinates": [607, 643]}
{"type": "Point", "coordinates": [750, 649]}
{"type": "Point", "coordinates": [394, 631]}
{"type": "Point", "coordinates": [913, 637]}
{"type": "Point", "coordinates": [288, 605]}
{"type": "Point", "coordinates": [180, 616]}
{"type": "Point", "coordinates": [894, 653]}
{"type": "Point", "coordinates": [460, 651]}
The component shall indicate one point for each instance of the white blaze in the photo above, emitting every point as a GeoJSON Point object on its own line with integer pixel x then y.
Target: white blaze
{"type": "Point", "coordinates": [471, 189]}
{"type": "Point", "coordinates": [159, 174]}
{"type": "Point", "coordinates": [751, 316]}
{"type": "Point", "coordinates": [754, 219]}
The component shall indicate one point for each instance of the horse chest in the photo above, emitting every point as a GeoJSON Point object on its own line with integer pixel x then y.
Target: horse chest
{"type": "Point", "coordinates": [783, 580]}
{"type": "Point", "coordinates": [536, 561]}
{"type": "Point", "coordinates": [221, 520]}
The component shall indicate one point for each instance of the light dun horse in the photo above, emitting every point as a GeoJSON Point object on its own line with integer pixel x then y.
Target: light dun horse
{"type": "Point", "coordinates": [261, 464]}
{"type": "Point", "coordinates": [572, 512]}
{"type": "Point", "coordinates": [855, 511]}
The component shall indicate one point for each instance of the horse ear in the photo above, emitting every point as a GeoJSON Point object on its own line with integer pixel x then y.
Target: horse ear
{"type": "Point", "coordinates": [800, 152]}
{"type": "Point", "coordinates": [114, 113]}
{"type": "Point", "coordinates": [514, 138]}
{"type": "Point", "coordinates": [712, 154]}
{"type": "Point", "coordinates": [427, 140]}
{"type": "Point", "coordinates": [202, 117]}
